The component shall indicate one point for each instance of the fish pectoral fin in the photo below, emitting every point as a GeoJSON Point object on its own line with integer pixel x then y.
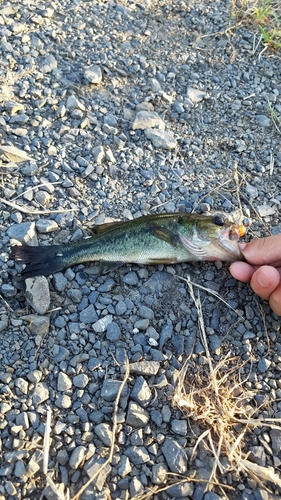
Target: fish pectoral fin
{"type": "Point", "coordinates": [198, 251]}
{"type": "Point", "coordinates": [162, 233]}
{"type": "Point", "coordinates": [107, 266]}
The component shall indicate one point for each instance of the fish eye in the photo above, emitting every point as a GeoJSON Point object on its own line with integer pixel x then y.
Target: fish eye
{"type": "Point", "coordinates": [246, 222]}
{"type": "Point", "coordinates": [218, 220]}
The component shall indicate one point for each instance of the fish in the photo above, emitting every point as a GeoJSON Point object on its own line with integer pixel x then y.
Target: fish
{"type": "Point", "coordinates": [151, 239]}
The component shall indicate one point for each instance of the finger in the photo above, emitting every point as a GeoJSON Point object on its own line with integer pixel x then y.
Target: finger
{"type": "Point", "coordinates": [263, 251]}
{"type": "Point", "coordinates": [275, 300]}
{"type": "Point", "coordinates": [242, 271]}
{"type": "Point", "coordinates": [264, 281]}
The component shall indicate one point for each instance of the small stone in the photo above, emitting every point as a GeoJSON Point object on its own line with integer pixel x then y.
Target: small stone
{"type": "Point", "coordinates": [101, 325]}
{"type": "Point", "coordinates": [145, 367]}
{"type": "Point", "coordinates": [12, 107]}
{"type": "Point", "coordinates": [104, 432]}
{"type": "Point", "coordinates": [46, 226]}
{"type": "Point", "coordinates": [264, 121]}
{"type": "Point", "coordinates": [19, 469]}
{"type": "Point", "coordinates": [137, 454]}
{"type": "Point", "coordinates": [183, 490]}
{"type": "Point", "coordinates": [23, 232]}
{"type": "Point", "coordinates": [179, 427]}
{"type": "Point", "coordinates": [8, 290]}
{"type": "Point", "coordinates": [93, 74]}
{"type": "Point", "coordinates": [64, 382]}
{"type": "Point", "coordinates": [147, 120]}
{"type": "Point", "coordinates": [37, 325]}
{"type": "Point", "coordinates": [141, 392]}
{"type": "Point", "coordinates": [77, 457]}
{"type": "Point", "coordinates": [161, 139]}
{"type": "Point", "coordinates": [42, 197]}
{"type": "Point", "coordinates": [136, 488]}
{"type": "Point", "coordinates": [159, 473]}
{"type": "Point", "coordinates": [63, 401]}
{"type": "Point", "coordinates": [136, 415]}
{"type": "Point", "coordinates": [73, 103]}
{"type": "Point", "coordinates": [88, 315]}
{"type": "Point", "coordinates": [34, 376]}
{"type": "Point", "coordinates": [60, 282]}
{"type": "Point", "coordinates": [40, 394]}
{"type": "Point", "coordinates": [98, 154]}
{"type": "Point", "coordinates": [175, 456]}
{"type": "Point", "coordinates": [62, 457]}
{"type": "Point", "coordinates": [146, 312]}
{"type": "Point", "coordinates": [124, 466]}
{"type": "Point", "coordinates": [80, 381]}
{"type": "Point", "coordinates": [38, 294]}
{"type": "Point", "coordinates": [15, 155]}
{"type": "Point", "coordinates": [195, 95]}
{"type": "Point", "coordinates": [257, 455]}
{"type": "Point", "coordinates": [9, 487]}
{"type": "Point", "coordinates": [266, 210]}
{"type": "Point", "coordinates": [22, 385]}
{"type": "Point", "coordinates": [95, 467]}
{"type": "Point", "coordinates": [275, 435]}
{"type": "Point", "coordinates": [263, 365]}
{"type": "Point", "coordinates": [141, 324]}
{"type": "Point", "coordinates": [49, 63]}
{"type": "Point", "coordinates": [113, 332]}
{"type": "Point", "coordinates": [110, 389]}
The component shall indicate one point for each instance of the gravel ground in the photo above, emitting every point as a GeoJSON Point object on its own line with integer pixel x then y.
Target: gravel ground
{"type": "Point", "coordinates": [111, 111]}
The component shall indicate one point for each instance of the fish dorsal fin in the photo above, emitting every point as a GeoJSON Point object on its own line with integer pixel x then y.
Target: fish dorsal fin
{"type": "Point", "coordinates": [104, 228]}
{"type": "Point", "coordinates": [162, 233]}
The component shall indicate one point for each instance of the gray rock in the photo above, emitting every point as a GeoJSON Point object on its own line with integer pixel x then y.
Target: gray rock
{"type": "Point", "coordinates": [137, 454]}
{"type": "Point", "coordinates": [113, 332]}
{"type": "Point", "coordinates": [263, 365]}
{"type": "Point", "coordinates": [38, 294]}
{"type": "Point", "coordinates": [214, 342]}
{"type": "Point", "coordinates": [88, 315]}
{"type": "Point", "coordinates": [46, 226]}
{"type": "Point", "coordinates": [275, 435]}
{"type": "Point", "coordinates": [159, 473]}
{"type": "Point", "coordinates": [104, 432]}
{"type": "Point", "coordinates": [257, 455]}
{"type": "Point", "coordinates": [81, 380]}
{"type": "Point", "coordinates": [264, 121]}
{"type": "Point", "coordinates": [136, 415]}
{"type": "Point", "coordinates": [179, 427]}
{"type": "Point", "coordinates": [124, 466]}
{"type": "Point", "coordinates": [141, 392]}
{"type": "Point", "coordinates": [161, 139]}
{"type": "Point", "coordinates": [266, 210]}
{"type": "Point", "coordinates": [136, 488]}
{"type": "Point", "coordinates": [19, 469]}
{"type": "Point", "coordinates": [195, 95]}
{"type": "Point", "coordinates": [93, 468]}
{"type": "Point", "coordinates": [63, 401]}
{"type": "Point", "coordinates": [49, 63]}
{"type": "Point", "coordinates": [73, 103]}
{"type": "Point", "coordinates": [145, 367]}
{"type": "Point", "coordinates": [64, 382]}
{"type": "Point", "coordinates": [175, 456]}
{"type": "Point", "coordinates": [8, 290]}
{"type": "Point", "coordinates": [24, 233]}
{"type": "Point", "coordinates": [40, 394]}
{"type": "Point", "coordinates": [147, 119]}
{"type": "Point", "coordinates": [141, 324]}
{"type": "Point", "coordinates": [77, 457]}
{"type": "Point", "coordinates": [183, 490]}
{"type": "Point", "coordinates": [101, 325]}
{"type": "Point", "coordinates": [93, 74]}
{"type": "Point", "coordinates": [98, 154]}
{"type": "Point", "coordinates": [22, 385]}
{"type": "Point", "coordinates": [146, 312]}
{"type": "Point", "coordinates": [212, 496]}
{"type": "Point", "coordinates": [130, 278]}
{"type": "Point", "coordinates": [110, 389]}
{"type": "Point", "coordinates": [60, 282]}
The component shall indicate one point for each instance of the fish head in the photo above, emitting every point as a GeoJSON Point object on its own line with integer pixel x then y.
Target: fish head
{"type": "Point", "coordinates": [215, 238]}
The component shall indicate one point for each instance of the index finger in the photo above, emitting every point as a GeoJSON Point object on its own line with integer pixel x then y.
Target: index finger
{"type": "Point", "coordinates": [263, 251]}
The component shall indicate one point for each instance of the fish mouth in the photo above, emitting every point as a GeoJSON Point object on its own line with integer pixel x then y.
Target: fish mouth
{"type": "Point", "coordinates": [228, 242]}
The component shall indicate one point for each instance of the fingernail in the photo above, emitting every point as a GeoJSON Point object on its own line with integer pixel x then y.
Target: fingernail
{"type": "Point", "coordinates": [263, 280]}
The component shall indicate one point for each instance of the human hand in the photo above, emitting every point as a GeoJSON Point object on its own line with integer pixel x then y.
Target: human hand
{"type": "Point", "coordinates": [262, 269]}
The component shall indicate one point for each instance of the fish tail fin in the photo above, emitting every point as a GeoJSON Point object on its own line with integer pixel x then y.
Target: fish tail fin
{"type": "Point", "coordinates": [40, 261]}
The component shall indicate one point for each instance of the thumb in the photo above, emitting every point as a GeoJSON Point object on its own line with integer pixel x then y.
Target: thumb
{"type": "Point", "coordinates": [263, 251]}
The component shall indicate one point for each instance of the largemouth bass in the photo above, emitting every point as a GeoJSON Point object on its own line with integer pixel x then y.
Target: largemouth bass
{"type": "Point", "coordinates": [151, 239]}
